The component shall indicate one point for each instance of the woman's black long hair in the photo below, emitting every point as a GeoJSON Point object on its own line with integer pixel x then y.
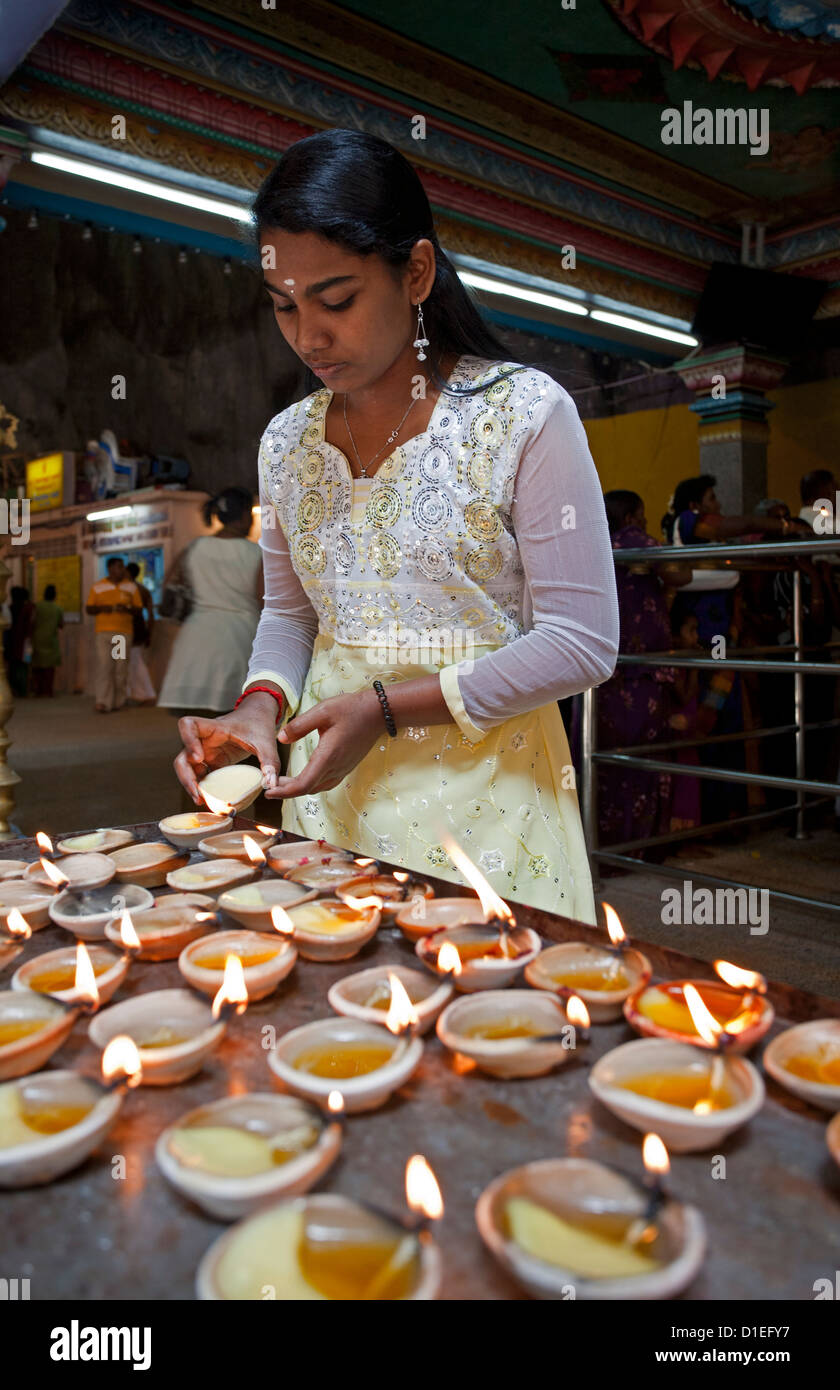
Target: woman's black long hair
{"type": "Point", "coordinates": [688, 491]}
{"type": "Point", "coordinates": [360, 192]}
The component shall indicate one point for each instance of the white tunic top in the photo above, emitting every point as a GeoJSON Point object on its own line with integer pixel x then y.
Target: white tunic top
{"type": "Point", "coordinates": [491, 523]}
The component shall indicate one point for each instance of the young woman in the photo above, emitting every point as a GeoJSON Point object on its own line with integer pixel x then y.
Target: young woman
{"type": "Point", "coordinates": [224, 573]}
{"type": "Point", "coordinates": [432, 520]}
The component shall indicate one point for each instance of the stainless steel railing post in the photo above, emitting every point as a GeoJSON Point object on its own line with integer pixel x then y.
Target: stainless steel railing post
{"type": "Point", "coordinates": [800, 832]}
{"type": "Point", "coordinates": [589, 786]}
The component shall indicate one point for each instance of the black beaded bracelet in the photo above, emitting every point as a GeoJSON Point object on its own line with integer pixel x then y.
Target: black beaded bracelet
{"type": "Point", "coordinates": [386, 709]}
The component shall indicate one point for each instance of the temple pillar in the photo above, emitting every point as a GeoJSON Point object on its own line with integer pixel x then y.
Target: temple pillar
{"type": "Point", "coordinates": [730, 385]}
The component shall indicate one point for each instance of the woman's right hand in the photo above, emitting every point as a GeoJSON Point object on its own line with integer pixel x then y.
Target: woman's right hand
{"type": "Point", "coordinates": [211, 743]}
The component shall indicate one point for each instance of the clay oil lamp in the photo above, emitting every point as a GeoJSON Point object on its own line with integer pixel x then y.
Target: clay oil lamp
{"type": "Point", "coordinates": [294, 854]}
{"type": "Point", "coordinates": [13, 868]}
{"type": "Point", "coordinates": [231, 790]}
{"type": "Point", "coordinates": [490, 955]}
{"type": "Point", "coordinates": [265, 962]}
{"type": "Point", "coordinates": [329, 929]}
{"type": "Point", "coordinates": [602, 976]}
{"type": "Point", "coordinates": [23, 896]}
{"type": "Point", "coordinates": [98, 841]}
{"type": "Point", "coordinates": [832, 1138]}
{"type": "Point", "coordinates": [88, 914]}
{"type": "Point", "coordinates": [33, 1026]}
{"type": "Point", "coordinates": [50, 1123]}
{"type": "Point", "coordinates": [329, 878]}
{"type": "Point", "coordinates": [239, 1153]}
{"type": "Point", "coordinates": [693, 1100]}
{"type": "Point", "coordinates": [74, 872]}
{"type": "Point", "coordinates": [188, 828]}
{"type": "Point", "coordinates": [211, 876]}
{"type": "Point", "coordinates": [422, 917]}
{"type": "Point", "coordinates": [738, 1003]}
{"type": "Point", "coordinates": [477, 956]}
{"type": "Point", "coordinates": [251, 903]}
{"type": "Point", "coordinates": [148, 865]}
{"type": "Point", "coordinates": [174, 1031]}
{"type": "Point", "coordinates": [17, 931]}
{"type": "Point", "coordinates": [397, 890]}
{"type": "Point", "coordinates": [806, 1061]}
{"type": "Point", "coordinates": [513, 1033]}
{"type": "Point", "coordinates": [368, 994]}
{"type": "Point", "coordinates": [364, 1062]}
{"type": "Point", "coordinates": [249, 846]}
{"type": "Point", "coordinates": [162, 931]}
{"type": "Point", "coordinates": [325, 1246]}
{"type": "Point", "coordinates": [574, 1228]}
{"type": "Point", "coordinates": [56, 972]}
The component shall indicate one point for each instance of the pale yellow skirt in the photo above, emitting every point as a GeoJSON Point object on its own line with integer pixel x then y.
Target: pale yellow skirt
{"type": "Point", "coordinates": [509, 800]}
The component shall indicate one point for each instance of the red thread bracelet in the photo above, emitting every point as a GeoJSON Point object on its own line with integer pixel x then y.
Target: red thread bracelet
{"type": "Point", "coordinates": [254, 689]}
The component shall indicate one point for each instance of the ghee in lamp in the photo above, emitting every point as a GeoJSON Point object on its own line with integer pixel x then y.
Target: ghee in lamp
{"type": "Point", "coordinates": [162, 1036]}
{"type": "Point", "coordinates": [215, 960]}
{"type": "Point", "coordinates": [13, 1029]}
{"type": "Point", "coordinates": [500, 1028]}
{"type": "Point", "coordinates": [689, 1089]}
{"type": "Point", "coordinates": [238, 1151]}
{"type": "Point", "coordinates": [341, 1060]}
{"type": "Point", "coordinates": [23, 1117]}
{"type": "Point", "coordinates": [822, 1065]}
{"type": "Point", "coordinates": [593, 1247]}
{"type": "Point", "coordinates": [665, 1006]}
{"type": "Point", "coordinates": [304, 1256]}
{"type": "Point", "coordinates": [53, 979]}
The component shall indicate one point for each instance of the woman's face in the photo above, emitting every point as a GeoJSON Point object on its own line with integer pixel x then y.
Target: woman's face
{"type": "Point", "coordinates": [709, 502]}
{"type": "Point", "coordinates": [349, 317]}
{"type": "Point", "coordinates": [638, 518]}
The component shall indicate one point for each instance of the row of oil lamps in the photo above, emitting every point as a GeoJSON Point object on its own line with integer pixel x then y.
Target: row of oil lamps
{"type": "Point", "coordinates": [613, 1238]}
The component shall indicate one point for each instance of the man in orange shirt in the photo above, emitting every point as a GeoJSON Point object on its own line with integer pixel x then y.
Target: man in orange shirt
{"type": "Point", "coordinates": [113, 601]}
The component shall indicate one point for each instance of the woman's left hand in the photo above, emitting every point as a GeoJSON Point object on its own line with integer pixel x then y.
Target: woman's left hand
{"type": "Point", "coordinates": [348, 726]}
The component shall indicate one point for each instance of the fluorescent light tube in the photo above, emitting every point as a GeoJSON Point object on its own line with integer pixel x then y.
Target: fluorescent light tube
{"type": "Point", "coordinates": [512, 291]}
{"type": "Point", "coordinates": [102, 173]}
{"type": "Point", "coordinates": [108, 514]}
{"type": "Point", "coordinates": [641, 326]}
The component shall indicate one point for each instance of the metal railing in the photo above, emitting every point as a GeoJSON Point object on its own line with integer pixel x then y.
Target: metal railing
{"type": "Point", "coordinates": [740, 557]}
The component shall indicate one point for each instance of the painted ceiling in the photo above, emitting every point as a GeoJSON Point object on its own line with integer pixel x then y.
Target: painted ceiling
{"type": "Point", "coordinates": [543, 125]}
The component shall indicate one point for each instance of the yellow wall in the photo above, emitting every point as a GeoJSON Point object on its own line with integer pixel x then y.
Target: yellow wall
{"type": "Point", "coordinates": [649, 451]}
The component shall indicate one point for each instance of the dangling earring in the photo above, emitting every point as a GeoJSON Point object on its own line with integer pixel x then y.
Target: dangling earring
{"type": "Point", "coordinates": [421, 341]}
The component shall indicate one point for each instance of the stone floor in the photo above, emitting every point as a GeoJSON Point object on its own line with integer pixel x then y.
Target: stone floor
{"type": "Point", "coordinates": [81, 769]}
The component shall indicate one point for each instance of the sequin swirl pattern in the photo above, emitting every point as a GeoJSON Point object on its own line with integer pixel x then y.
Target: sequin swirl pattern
{"type": "Point", "coordinates": [437, 526]}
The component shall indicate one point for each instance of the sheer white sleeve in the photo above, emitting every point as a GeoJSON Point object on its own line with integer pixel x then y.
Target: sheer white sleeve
{"type": "Point", "coordinates": [570, 610]}
{"type": "Point", "coordinates": [288, 624]}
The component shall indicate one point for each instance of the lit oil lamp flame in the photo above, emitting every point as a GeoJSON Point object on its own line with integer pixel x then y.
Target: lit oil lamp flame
{"type": "Point", "coordinates": [267, 829]}
{"type": "Point", "coordinates": [577, 1012]}
{"type": "Point", "coordinates": [493, 905]}
{"type": "Point", "coordinates": [449, 961]}
{"type": "Point", "coordinates": [400, 876]}
{"type": "Point", "coordinates": [655, 1156]}
{"type": "Point", "coordinates": [421, 1189]}
{"type": "Point", "coordinates": [121, 1059]}
{"type": "Point", "coordinates": [401, 1012]}
{"type": "Point", "coordinates": [44, 842]}
{"type": "Point", "coordinates": [704, 1021]}
{"type": "Point", "coordinates": [363, 863]}
{"type": "Point", "coordinates": [128, 933]}
{"type": "Point", "coordinates": [281, 921]}
{"type": "Point", "coordinates": [216, 805]}
{"type": "Point", "coordinates": [232, 994]}
{"type": "Point", "coordinates": [55, 876]}
{"type": "Point", "coordinates": [615, 930]}
{"type": "Point", "coordinates": [359, 904]}
{"type": "Point", "coordinates": [17, 925]}
{"type": "Point", "coordinates": [335, 1102]}
{"type": "Point", "coordinates": [253, 850]}
{"type": "Point", "coordinates": [85, 979]}
{"type": "Point", "coordinates": [740, 979]}
{"type": "Point", "coordinates": [742, 1021]}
